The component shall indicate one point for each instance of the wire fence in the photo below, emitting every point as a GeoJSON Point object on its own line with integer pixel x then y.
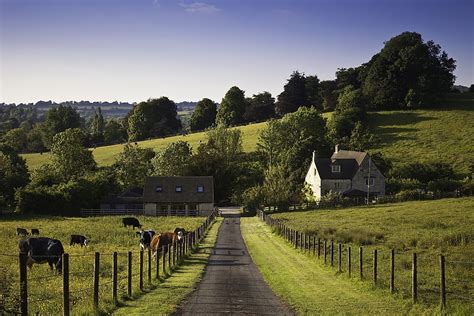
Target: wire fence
{"type": "Point", "coordinates": [93, 282]}
{"type": "Point", "coordinates": [422, 277]}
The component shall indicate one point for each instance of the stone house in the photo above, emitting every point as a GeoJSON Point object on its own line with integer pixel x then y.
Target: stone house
{"type": "Point", "coordinates": [178, 196]}
{"type": "Point", "coordinates": [350, 173]}
{"type": "Point", "coordinates": [130, 200]}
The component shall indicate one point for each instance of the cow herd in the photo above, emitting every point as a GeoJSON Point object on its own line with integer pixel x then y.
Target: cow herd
{"type": "Point", "coordinates": [41, 250]}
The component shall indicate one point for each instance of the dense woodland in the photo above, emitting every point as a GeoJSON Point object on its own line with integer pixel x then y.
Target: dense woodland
{"type": "Point", "coordinates": [407, 73]}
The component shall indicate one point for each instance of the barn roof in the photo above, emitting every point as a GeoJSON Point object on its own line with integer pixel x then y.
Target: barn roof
{"type": "Point", "coordinates": [164, 190]}
{"type": "Point", "coordinates": [349, 154]}
{"type": "Point", "coordinates": [348, 168]}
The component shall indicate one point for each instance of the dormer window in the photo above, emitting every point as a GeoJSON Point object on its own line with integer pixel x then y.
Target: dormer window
{"type": "Point", "coordinates": [336, 168]}
{"type": "Point", "coordinates": [159, 188]}
{"type": "Point", "coordinates": [178, 188]}
{"type": "Point", "coordinates": [200, 188]}
{"type": "Point", "coordinates": [369, 181]}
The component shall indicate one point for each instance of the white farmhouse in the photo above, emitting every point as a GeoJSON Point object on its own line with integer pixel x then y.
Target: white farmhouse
{"type": "Point", "coordinates": [350, 173]}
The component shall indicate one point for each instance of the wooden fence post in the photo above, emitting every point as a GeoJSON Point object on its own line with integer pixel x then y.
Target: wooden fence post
{"type": "Point", "coordinates": [325, 251]}
{"type": "Point", "coordinates": [164, 260]}
{"type": "Point", "coordinates": [114, 278]}
{"type": "Point", "coordinates": [129, 275]}
{"type": "Point", "coordinates": [296, 239]}
{"type": "Point", "coordinates": [349, 261]}
{"type": "Point", "coordinates": [23, 285]}
{"type": "Point", "coordinates": [392, 271]}
{"type": "Point", "coordinates": [361, 263]}
{"type": "Point", "coordinates": [65, 284]}
{"type": "Point", "coordinates": [174, 253]}
{"type": "Point", "coordinates": [442, 269]}
{"type": "Point", "coordinates": [319, 248]}
{"type": "Point", "coordinates": [375, 266]}
{"type": "Point", "coordinates": [414, 281]}
{"type": "Point", "coordinates": [96, 280]}
{"type": "Point", "coordinates": [141, 271]}
{"type": "Point", "coordinates": [157, 262]}
{"type": "Point", "coordinates": [340, 257]}
{"type": "Point", "coordinates": [314, 246]}
{"type": "Point", "coordinates": [332, 253]}
{"type": "Point", "coordinates": [149, 265]}
{"type": "Point", "coordinates": [168, 248]}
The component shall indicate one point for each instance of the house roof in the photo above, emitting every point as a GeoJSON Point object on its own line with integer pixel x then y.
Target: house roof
{"type": "Point", "coordinates": [129, 196]}
{"type": "Point", "coordinates": [348, 154]}
{"type": "Point", "coordinates": [348, 168]}
{"type": "Point", "coordinates": [189, 190]}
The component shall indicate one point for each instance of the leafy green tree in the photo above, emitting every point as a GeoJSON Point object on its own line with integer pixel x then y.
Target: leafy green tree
{"type": "Point", "coordinates": [471, 88]}
{"type": "Point", "coordinates": [114, 132]}
{"type": "Point", "coordinates": [204, 115]}
{"type": "Point", "coordinates": [361, 138]}
{"type": "Point", "coordinates": [313, 92]}
{"type": "Point", "coordinates": [97, 126]}
{"type": "Point", "coordinates": [232, 108]}
{"type": "Point", "coordinates": [59, 119]}
{"type": "Point", "coordinates": [13, 174]}
{"type": "Point", "coordinates": [16, 138]}
{"type": "Point", "coordinates": [133, 165]}
{"type": "Point", "coordinates": [291, 141]}
{"type": "Point", "coordinates": [153, 118]}
{"type": "Point", "coordinates": [293, 96]}
{"type": "Point", "coordinates": [35, 140]}
{"type": "Point", "coordinates": [261, 107]}
{"type": "Point", "coordinates": [277, 187]}
{"type": "Point", "coordinates": [68, 156]}
{"type": "Point", "coordinates": [407, 67]}
{"type": "Point", "coordinates": [173, 160]}
{"type": "Point", "coordinates": [328, 93]}
{"type": "Point", "coordinates": [348, 77]}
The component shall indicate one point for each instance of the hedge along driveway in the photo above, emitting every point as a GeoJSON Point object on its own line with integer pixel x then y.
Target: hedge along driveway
{"type": "Point", "coordinates": [309, 287]}
{"type": "Point", "coordinates": [166, 297]}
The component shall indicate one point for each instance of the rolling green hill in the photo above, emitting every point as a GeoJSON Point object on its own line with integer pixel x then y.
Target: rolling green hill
{"type": "Point", "coordinates": [435, 135]}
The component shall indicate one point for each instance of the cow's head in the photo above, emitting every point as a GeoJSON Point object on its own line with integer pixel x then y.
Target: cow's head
{"type": "Point", "coordinates": [180, 232]}
{"type": "Point", "coordinates": [145, 238]}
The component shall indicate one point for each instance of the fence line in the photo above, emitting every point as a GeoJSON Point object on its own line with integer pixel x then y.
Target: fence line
{"type": "Point", "coordinates": [172, 258]}
{"type": "Point", "coordinates": [325, 249]}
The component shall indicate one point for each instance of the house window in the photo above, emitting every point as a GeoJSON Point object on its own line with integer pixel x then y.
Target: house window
{"type": "Point", "coordinates": [335, 168]}
{"type": "Point", "coordinates": [159, 188]}
{"type": "Point", "coordinates": [200, 188]}
{"type": "Point", "coordinates": [337, 185]}
{"type": "Point", "coordinates": [178, 188]}
{"type": "Point", "coordinates": [369, 181]}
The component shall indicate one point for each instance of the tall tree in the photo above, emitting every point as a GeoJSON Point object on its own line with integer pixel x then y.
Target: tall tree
{"type": "Point", "coordinates": [16, 138]}
{"type": "Point", "coordinates": [13, 174]}
{"type": "Point", "coordinates": [97, 126]}
{"type": "Point", "coordinates": [114, 132]}
{"type": "Point", "coordinates": [204, 115]}
{"type": "Point", "coordinates": [328, 94]}
{"type": "Point", "coordinates": [133, 165]}
{"type": "Point", "coordinates": [232, 108]}
{"type": "Point", "coordinates": [312, 87]}
{"type": "Point", "coordinates": [173, 160]}
{"type": "Point", "coordinates": [68, 156]}
{"type": "Point", "coordinates": [293, 96]}
{"type": "Point", "coordinates": [261, 107]}
{"type": "Point", "coordinates": [408, 70]}
{"type": "Point", "coordinates": [153, 118]}
{"type": "Point", "coordinates": [59, 119]}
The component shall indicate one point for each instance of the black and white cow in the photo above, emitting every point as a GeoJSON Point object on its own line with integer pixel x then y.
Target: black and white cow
{"type": "Point", "coordinates": [78, 240]}
{"type": "Point", "coordinates": [22, 232]}
{"type": "Point", "coordinates": [131, 221]}
{"type": "Point", "coordinates": [41, 250]}
{"type": "Point", "coordinates": [35, 231]}
{"type": "Point", "coordinates": [180, 233]}
{"type": "Point", "coordinates": [145, 238]}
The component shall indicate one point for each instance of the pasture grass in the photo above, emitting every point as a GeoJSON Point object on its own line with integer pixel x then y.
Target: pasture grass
{"type": "Point", "coordinates": [309, 287]}
{"type": "Point", "coordinates": [105, 234]}
{"type": "Point", "coordinates": [165, 299]}
{"type": "Point", "coordinates": [429, 228]}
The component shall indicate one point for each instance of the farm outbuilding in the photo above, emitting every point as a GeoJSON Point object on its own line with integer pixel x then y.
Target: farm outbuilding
{"type": "Point", "coordinates": [178, 195]}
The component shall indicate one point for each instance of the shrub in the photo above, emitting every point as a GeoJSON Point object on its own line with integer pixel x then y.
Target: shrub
{"type": "Point", "coordinates": [408, 195]}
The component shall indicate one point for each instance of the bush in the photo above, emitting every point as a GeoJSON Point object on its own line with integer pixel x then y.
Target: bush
{"type": "Point", "coordinates": [408, 195]}
{"type": "Point", "coordinates": [443, 185]}
{"type": "Point", "coordinates": [395, 185]}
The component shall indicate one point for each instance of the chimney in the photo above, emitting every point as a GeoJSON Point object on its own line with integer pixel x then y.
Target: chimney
{"type": "Point", "coordinates": [314, 155]}
{"type": "Point", "coordinates": [336, 149]}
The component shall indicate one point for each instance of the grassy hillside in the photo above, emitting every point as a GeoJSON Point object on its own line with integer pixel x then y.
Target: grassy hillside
{"type": "Point", "coordinates": [441, 135]}
{"type": "Point", "coordinates": [428, 228]}
{"type": "Point", "coordinates": [105, 234]}
{"type": "Point", "coordinates": [438, 135]}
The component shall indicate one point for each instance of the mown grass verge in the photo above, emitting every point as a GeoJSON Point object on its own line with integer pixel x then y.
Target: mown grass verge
{"type": "Point", "coordinates": [166, 297]}
{"type": "Point", "coordinates": [309, 287]}
{"type": "Point", "coordinates": [105, 234]}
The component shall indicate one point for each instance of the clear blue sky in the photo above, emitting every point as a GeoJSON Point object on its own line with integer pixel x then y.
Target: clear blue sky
{"type": "Point", "coordinates": [131, 50]}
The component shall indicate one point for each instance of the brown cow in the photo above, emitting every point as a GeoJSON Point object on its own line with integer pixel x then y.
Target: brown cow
{"type": "Point", "coordinates": [160, 240]}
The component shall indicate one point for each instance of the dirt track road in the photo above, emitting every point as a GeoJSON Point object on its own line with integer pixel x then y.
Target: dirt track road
{"type": "Point", "coordinates": [232, 284]}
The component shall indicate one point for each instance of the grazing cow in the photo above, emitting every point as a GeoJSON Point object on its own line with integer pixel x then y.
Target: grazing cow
{"type": "Point", "coordinates": [180, 233]}
{"type": "Point", "coordinates": [145, 238]}
{"type": "Point", "coordinates": [35, 231]}
{"type": "Point", "coordinates": [160, 240]}
{"type": "Point", "coordinates": [78, 240]}
{"type": "Point", "coordinates": [21, 232]}
{"type": "Point", "coordinates": [41, 250]}
{"type": "Point", "coordinates": [131, 221]}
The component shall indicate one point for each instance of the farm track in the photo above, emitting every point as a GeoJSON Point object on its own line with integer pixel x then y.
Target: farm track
{"type": "Point", "coordinates": [306, 285]}
{"type": "Point", "coordinates": [232, 283]}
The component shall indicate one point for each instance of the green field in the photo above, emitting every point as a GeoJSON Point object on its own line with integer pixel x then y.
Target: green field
{"type": "Point", "coordinates": [106, 235]}
{"type": "Point", "coordinates": [429, 228]}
